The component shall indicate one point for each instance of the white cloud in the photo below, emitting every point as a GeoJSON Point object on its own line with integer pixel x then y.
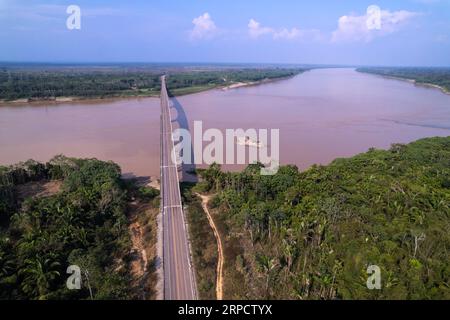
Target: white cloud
{"type": "Point", "coordinates": [287, 34]}
{"type": "Point", "coordinates": [204, 27]}
{"type": "Point", "coordinates": [354, 28]}
{"type": "Point", "coordinates": [255, 30]}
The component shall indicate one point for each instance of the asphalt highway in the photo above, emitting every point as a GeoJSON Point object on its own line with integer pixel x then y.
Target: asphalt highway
{"type": "Point", "coordinates": [179, 280]}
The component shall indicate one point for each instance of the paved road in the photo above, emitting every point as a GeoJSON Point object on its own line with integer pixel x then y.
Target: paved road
{"type": "Point", "coordinates": [179, 281]}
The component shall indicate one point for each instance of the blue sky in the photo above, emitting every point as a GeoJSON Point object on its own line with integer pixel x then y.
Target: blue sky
{"type": "Point", "coordinates": [412, 32]}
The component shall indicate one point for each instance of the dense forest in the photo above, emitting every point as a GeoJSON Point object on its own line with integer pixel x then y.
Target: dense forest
{"type": "Point", "coordinates": [36, 84]}
{"type": "Point", "coordinates": [313, 234]}
{"type": "Point", "coordinates": [293, 235]}
{"type": "Point", "coordinates": [195, 81]}
{"type": "Point", "coordinates": [41, 83]}
{"type": "Point", "coordinates": [434, 76]}
{"type": "Point", "coordinates": [82, 222]}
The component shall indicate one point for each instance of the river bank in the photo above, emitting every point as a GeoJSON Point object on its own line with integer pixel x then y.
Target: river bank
{"type": "Point", "coordinates": [410, 80]}
{"type": "Point", "coordinates": [64, 100]}
{"type": "Point", "coordinates": [256, 83]}
{"type": "Point", "coordinates": [178, 92]}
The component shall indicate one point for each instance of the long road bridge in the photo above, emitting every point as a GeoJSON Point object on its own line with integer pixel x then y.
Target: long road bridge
{"type": "Point", "coordinates": [179, 279]}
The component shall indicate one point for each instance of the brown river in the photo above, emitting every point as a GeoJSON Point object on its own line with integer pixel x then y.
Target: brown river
{"type": "Point", "coordinates": [322, 115]}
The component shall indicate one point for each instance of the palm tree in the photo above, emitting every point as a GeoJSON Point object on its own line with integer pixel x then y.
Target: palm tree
{"type": "Point", "coordinates": [7, 264]}
{"type": "Point", "coordinates": [213, 176]}
{"type": "Point", "coordinates": [266, 265]}
{"type": "Point", "coordinates": [38, 275]}
{"type": "Point", "coordinates": [289, 251]}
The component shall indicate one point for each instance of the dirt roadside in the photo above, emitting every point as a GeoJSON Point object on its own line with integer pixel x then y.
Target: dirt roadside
{"type": "Point", "coordinates": [220, 260]}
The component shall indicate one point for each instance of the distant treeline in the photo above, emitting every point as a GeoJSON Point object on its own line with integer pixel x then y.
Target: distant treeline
{"type": "Point", "coordinates": [225, 77]}
{"type": "Point", "coordinates": [40, 83]}
{"type": "Point", "coordinates": [433, 76]}
{"type": "Point", "coordinates": [48, 84]}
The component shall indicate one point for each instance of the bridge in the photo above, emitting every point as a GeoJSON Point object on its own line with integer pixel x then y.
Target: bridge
{"type": "Point", "coordinates": [179, 278]}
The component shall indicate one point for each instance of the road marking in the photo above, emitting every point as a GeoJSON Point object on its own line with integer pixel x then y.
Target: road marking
{"type": "Point", "coordinates": [174, 206]}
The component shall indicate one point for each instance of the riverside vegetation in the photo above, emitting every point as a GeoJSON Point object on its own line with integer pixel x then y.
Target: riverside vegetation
{"type": "Point", "coordinates": [53, 82]}
{"type": "Point", "coordinates": [313, 234]}
{"type": "Point", "coordinates": [429, 76]}
{"type": "Point", "coordinates": [83, 221]}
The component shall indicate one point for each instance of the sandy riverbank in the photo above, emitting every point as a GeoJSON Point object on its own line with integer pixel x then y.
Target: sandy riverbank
{"type": "Point", "coordinates": [420, 84]}
{"type": "Point", "coordinates": [65, 100]}
{"type": "Point", "coordinates": [237, 85]}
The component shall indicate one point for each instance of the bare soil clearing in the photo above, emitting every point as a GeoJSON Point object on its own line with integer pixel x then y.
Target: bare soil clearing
{"type": "Point", "coordinates": [37, 189]}
{"type": "Point", "coordinates": [142, 229]}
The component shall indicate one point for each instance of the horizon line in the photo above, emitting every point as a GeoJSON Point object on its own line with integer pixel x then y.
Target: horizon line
{"type": "Point", "coordinates": [193, 63]}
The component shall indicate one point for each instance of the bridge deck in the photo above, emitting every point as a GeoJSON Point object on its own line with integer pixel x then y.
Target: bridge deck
{"type": "Point", "coordinates": [179, 280]}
